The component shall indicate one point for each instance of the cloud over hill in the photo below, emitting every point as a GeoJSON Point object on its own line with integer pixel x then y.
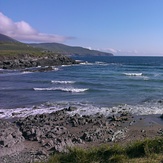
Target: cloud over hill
{"type": "Point", "coordinates": [25, 32]}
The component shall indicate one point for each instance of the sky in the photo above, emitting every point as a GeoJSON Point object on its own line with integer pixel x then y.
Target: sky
{"type": "Point", "coordinates": [122, 27]}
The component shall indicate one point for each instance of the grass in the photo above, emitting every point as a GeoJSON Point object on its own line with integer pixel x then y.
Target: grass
{"type": "Point", "coordinates": [146, 151]}
{"type": "Point", "coordinates": [15, 48]}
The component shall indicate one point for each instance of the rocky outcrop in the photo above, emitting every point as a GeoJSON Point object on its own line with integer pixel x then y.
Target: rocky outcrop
{"type": "Point", "coordinates": [59, 130]}
{"type": "Point", "coordinates": [10, 138]}
{"type": "Point", "coordinates": [55, 132]}
{"type": "Point", "coordinates": [27, 61]}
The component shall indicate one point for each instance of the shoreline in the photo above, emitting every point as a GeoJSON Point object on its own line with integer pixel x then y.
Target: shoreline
{"type": "Point", "coordinates": [43, 134]}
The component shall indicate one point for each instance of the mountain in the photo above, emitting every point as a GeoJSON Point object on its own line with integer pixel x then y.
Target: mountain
{"type": "Point", "coordinates": [70, 50]}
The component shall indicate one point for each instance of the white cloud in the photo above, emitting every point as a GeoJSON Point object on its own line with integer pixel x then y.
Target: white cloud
{"type": "Point", "coordinates": [111, 50]}
{"type": "Point", "coordinates": [24, 32]}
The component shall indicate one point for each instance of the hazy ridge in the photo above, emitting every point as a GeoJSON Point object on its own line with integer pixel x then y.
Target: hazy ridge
{"type": "Point", "coordinates": [70, 50]}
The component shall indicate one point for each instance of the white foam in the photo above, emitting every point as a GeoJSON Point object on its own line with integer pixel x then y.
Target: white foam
{"type": "Point", "coordinates": [73, 90]}
{"type": "Point", "coordinates": [55, 68]}
{"type": "Point", "coordinates": [147, 109]}
{"type": "Point", "coordinates": [26, 72]}
{"type": "Point", "coordinates": [62, 82]}
{"type": "Point", "coordinates": [101, 63]}
{"type": "Point", "coordinates": [77, 60]}
{"type": "Point", "coordinates": [86, 63]}
{"type": "Point", "coordinates": [83, 109]}
{"type": "Point", "coordinates": [133, 74]}
{"type": "Point", "coordinates": [66, 65]}
{"type": "Point", "coordinates": [24, 112]}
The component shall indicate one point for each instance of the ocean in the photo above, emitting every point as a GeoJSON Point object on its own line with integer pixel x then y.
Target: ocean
{"type": "Point", "coordinates": [100, 84]}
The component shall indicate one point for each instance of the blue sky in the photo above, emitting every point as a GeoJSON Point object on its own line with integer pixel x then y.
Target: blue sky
{"type": "Point", "coordinates": [124, 27]}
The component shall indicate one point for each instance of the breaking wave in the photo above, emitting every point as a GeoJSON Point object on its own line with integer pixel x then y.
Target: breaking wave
{"type": "Point", "coordinates": [62, 82]}
{"type": "Point", "coordinates": [73, 90]}
{"type": "Point", "coordinates": [133, 74]}
{"type": "Point", "coordinates": [147, 108]}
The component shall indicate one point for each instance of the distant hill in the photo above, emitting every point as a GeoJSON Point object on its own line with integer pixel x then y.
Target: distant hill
{"type": "Point", "coordinates": [69, 50]}
{"type": "Point", "coordinates": [10, 46]}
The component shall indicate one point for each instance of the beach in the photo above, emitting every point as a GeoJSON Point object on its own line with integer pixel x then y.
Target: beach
{"type": "Point", "coordinates": [44, 134]}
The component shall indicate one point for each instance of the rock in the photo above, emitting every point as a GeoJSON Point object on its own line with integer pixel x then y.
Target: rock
{"type": "Point", "coordinates": [111, 132]}
{"type": "Point", "coordinates": [114, 118]}
{"type": "Point", "coordinates": [87, 137]}
{"type": "Point", "coordinates": [71, 108]}
{"type": "Point", "coordinates": [77, 140]}
{"type": "Point", "coordinates": [62, 144]}
{"type": "Point", "coordinates": [26, 61]}
{"type": "Point", "coordinates": [10, 137]}
{"type": "Point", "coordinates": [161, 116]}
{"type": "Point", "coordinates": [120, 134]}
{"type": "Point", "coordinates": [42, 152]}
{"type": "Point", "coordinates": [58, 130]}
{"type": "Point", "coordinates": [160, 131]}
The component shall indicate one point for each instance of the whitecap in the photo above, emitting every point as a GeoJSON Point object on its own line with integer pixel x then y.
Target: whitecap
{"type": "Point", "coordinates": [133, 74]}
{"type": "Point", "coordinates": [66, 65]}
{"type": "Point", "coordinates": [73, 90]}
{"type": "Point", "coordinates": [62, 82]}
{"type": "Point", "coordinates": [101, 63]}
{"type": "Point", "coordinates": [26, 72]}
{"type": "Point", "coordinates": [85, 63]}
{"type": "Point", "coordinates": [55, 68]}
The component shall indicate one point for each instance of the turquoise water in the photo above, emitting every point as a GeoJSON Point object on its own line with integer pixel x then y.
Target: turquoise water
{"type": "Point", "coordinates": [98, 82]}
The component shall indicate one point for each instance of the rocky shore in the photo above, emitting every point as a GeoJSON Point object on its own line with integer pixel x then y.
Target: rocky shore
{"type": "Point", "coordinates": [22, 61]}
{"type": "Point", "coordinates": [35, 138]}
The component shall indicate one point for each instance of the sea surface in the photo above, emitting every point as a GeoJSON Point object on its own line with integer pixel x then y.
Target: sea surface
{"type": "Point", "coordinates": [98, 84]}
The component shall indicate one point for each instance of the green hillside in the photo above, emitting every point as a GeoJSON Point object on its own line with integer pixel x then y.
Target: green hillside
{"type": "Point", "coordinates": [70, 50]}
{"type": "Point", "coordinates": [11, 47]}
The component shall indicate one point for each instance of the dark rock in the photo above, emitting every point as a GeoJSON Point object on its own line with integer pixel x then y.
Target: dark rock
{"type": "Point", "coordinates": [161, 116]}
{"type": "Point", "coordinates": [42, 152]}
{"type": "Point", "coordinates": [71, 108]}
{"type": "Point", "coordinates": [77, 140]}
{"type": "Point", "coordinates": [27, 61]}
{"type": "Point", "coordinates": [87, 137]}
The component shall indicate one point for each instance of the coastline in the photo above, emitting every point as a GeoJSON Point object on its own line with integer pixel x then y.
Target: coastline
{"type": "Point", "coordinates": [44, 134]}
{"type": "Point", "coordinates": [71, 110]}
